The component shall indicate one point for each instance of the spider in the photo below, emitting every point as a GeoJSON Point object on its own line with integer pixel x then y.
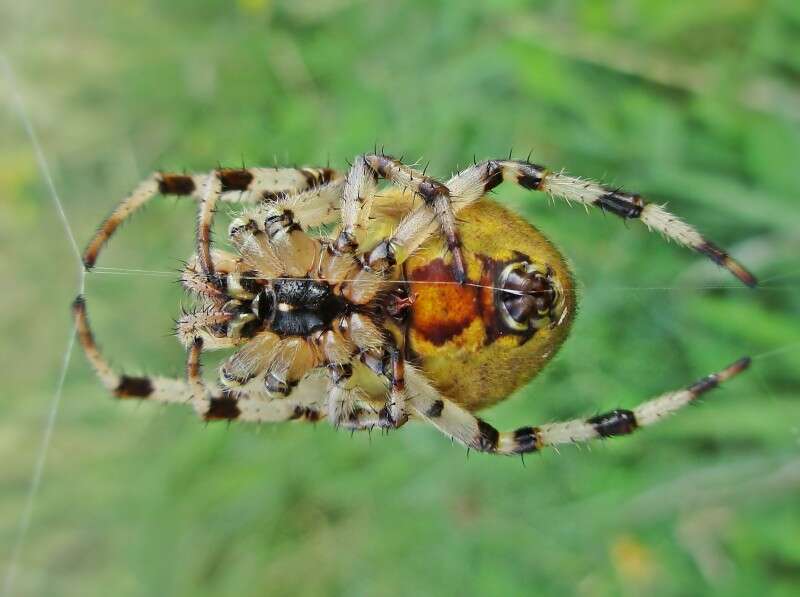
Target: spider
{"type": "Point", "coordinates": [401, 312]}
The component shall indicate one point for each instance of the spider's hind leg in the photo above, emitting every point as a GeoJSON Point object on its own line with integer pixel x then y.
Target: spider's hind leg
{"type": "Point", "coordinates": [475, 433]}
{"type": "Point", "coordinates": [474, 182]}
{"type": "Point", "coordinates": [225, 405]}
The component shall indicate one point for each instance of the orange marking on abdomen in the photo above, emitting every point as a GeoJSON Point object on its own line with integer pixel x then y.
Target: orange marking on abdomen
{"type": "Point", "coordinates": [441, 311]}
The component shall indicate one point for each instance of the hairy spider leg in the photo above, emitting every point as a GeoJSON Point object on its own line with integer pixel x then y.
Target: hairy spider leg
{"type": "Point", "coordinates": [474, 182]}
{"type": "Point", "coordinates": [472, 431]}
{"type": "Point", "coordinates": [249, 185]}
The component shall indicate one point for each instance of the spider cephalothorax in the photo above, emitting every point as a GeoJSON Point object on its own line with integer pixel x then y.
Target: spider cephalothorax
{"type": "Point", "coordinates": [397, 313]}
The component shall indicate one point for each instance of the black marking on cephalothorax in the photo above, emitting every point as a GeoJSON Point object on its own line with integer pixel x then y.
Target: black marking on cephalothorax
{"type": "Point", "coordinates": [248, 280]}
{"type": "Point", "coordinates": [222, 408]}
{"type": "Point", "coordinates": [526, 439]}
{"type": "Point", "coordinates": [133, 387]}
{"type": "Point", "coordinates": [234, 179]}
{"type": "Point", "coordinates": [175, 184]}
{"type": "Point", "coordinates": [488, 437]}
{"type": "Point", "coordinates": [622, 204]}
{"type": "Point", "coordinates": [302, 292]}
{"type": "Point", "coordinates": [303, 306]}
{"type": "Point", "coordinates": [615, 422]}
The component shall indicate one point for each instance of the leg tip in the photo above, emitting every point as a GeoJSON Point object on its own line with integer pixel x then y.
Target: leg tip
{"type": "Point", "coordinates": [715, 379]}
{"type": "Point", "coordinates": [88, 261]}
{"type": "Point", "coordinates": [460, 276]}
{"type": "Point", "coordinates": [458, 267]}
{"type": "Point", "coordinates": [740, 272]}
{"type": "Point", "coordinates": [721, 258]}
{"type": "Point", "coordinates": [734, 369]}
{"type": "Point", "coordinates": [79, 304]}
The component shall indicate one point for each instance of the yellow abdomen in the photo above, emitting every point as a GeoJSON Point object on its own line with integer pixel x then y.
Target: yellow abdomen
{"type": "Point", "coordinates": [458, 334]}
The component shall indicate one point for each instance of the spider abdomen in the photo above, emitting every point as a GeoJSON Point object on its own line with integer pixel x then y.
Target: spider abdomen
{"type": "Point", "coordinates": [466, 337]}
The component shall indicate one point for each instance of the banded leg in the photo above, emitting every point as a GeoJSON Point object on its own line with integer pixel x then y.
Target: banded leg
{"type": "Point", "coordinates": [249, 185]}
{"type": "Point", "coordinates": [232, 267]}
{"type": "Point", "coordinates": [476, 433]}
{"type": "Point", "coordinates": [304, 404]}
{"type": "Point", "coordinates": [474, 182]}
{"type": "Point", "coordinates": [346, 404]}
{"type": "Point", "coordinates": [209, 324]}
{"type": "Point", "coordinates": [310, 208]}
{"type": "Point", "coordinates": [291, 244]}
{"type": "Point", "coordinates": [344, 409]}
{"type": "Point", "coordinates": [212, 189]}
{"type": "Point", "coordinates": [242, 406]}
{"type": "Point", "coordinates": [436, 205]}
{"type": "Point", "coordinates": [160, 389]}
{"type": "Point", "coordinates": [395, 413]}
{"type": "Point", "coordinates": [271, 239]}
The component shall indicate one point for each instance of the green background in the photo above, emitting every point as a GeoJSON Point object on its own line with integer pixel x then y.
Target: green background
{"type": "Point", "coordinates": [692, 103]}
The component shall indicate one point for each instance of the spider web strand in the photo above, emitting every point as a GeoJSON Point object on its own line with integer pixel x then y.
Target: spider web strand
{"type": "Point", "coordinates": [26, 516]}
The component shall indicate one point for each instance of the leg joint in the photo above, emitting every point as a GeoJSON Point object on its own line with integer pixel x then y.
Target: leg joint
{"type": "Point", "coordinates": [625, 205]}
{"type": "Point", "coordinates": [615, 422]}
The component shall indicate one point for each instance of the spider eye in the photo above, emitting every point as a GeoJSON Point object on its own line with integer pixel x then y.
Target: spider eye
{"type": "Point", "coordinates": [526, 297]}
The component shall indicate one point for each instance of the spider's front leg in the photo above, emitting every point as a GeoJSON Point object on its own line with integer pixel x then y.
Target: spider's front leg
{"type": "Point", "coordinates": [235, 185]}
{"type": "Point", "coordinates": [474, 182]}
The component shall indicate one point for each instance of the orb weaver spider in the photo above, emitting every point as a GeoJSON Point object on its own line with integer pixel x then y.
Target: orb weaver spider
{"type": "Point", "coordinates": [374, 324]}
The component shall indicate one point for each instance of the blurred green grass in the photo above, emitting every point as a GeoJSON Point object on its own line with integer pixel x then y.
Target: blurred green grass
{"type": "Point", "coordinates": [696, 104]}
